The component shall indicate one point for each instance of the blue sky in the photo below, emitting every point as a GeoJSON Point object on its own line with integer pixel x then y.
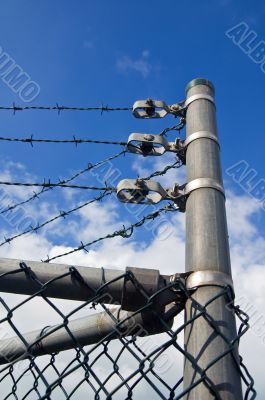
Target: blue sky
{"type": "Point", "coordinates": [77, 54]}
{"type": "Point", "coordinates": [73, 52]}
{"type": "Point", "coordinates": [115, 52]}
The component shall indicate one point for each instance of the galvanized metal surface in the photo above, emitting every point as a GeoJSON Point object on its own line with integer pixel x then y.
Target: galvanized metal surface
{"type": "Point", "coordinates": [155, 109]}
{"type": "Point", "coordinates": [208, 278]}
{"type": "Point", "coordinates": [207, 248]}
{"type": "Point", "coordinates": [200, 183]}
{"type": "Point", "coordinates": [78, 283]}
{"type": "Point", "coordinates": [85, 331]}
{"type": "Point", "coordinates": [199, 96]}
{"type": "Point", "coordinates": [150, 109]}
{"type": "Point", "coordinates": [199, 135]}
{"type": "Point", "coordinates": [140, 191]}
{"type": "Point", "coordinates": [150, 145]}
{"type": "Point", "coordinates": [212, 366]}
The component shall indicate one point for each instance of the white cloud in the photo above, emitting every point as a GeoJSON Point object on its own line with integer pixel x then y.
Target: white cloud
{"type": "Point", "coordinates": [140, 65]}
{"type": "Point", "coordinates": [145, 166]}
{"type": "Point", "coordinates": [247, 254]}
{"type": "Point", "coordinates": [240, 210]}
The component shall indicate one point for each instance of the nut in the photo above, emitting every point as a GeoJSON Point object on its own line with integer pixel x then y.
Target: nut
{"type": "Point", "coordinates": [149, 137]}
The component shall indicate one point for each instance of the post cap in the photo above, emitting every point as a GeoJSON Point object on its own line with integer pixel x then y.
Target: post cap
{"type": "Point", "coordinates": [199, 81]}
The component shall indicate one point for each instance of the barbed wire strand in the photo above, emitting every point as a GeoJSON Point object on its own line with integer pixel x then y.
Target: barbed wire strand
{"type": "Point", "coordinates": [75, 141]}
{"type": "Point", "coordinates": [62, 184]}
{"type": "Point", "coordinates": [124, 232]}
{"type": "Point", "coordinates": [177, 128]}
{"type": "Point", "coordinates": [61, 108]}
{"type": "Point", "coordinates": [176, 164]}
{"type": "Point", "coordinates": [30, 140]}
{"type": "Point", "coordinates": [36, 195]}
{"type": "Point", "coordinates": [62, 214]}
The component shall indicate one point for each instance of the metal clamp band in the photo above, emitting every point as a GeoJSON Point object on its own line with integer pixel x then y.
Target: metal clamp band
{"type": "Point", "coordinates": [191, 99]}
{"type": "Point", "coordinates": [203, 183]}
{"type": "Point", "coordinates": [208, 278]}
{"type": "Point", "coordinates": [201, 135]}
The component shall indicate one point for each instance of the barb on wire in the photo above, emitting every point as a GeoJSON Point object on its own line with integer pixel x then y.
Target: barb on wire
{"type": "Point", "coordinates": [124, 232]}
{"type": "Point", "coordinates": [36, 195]}
{"type": "Point", "coordinates": [60, 108]}
{"type": "Point", "coordinates": [174, 127]}
{"type": "Point", "coordinates": [62, 214]}
{"type": "Point", "coordinates": [176, 164]}
{"type": "Point", "coordinates": [62, 184]}
{"type": "Point", "coordinates": [75, 141]}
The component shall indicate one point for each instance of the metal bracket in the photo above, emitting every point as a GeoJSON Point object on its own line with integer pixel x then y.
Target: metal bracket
{"type": "Point", "coordinates": [155, 109]}
{"type": "Point", "coordinates": [152, 145]}
{"type": "Point", "coordinates": [139, 191]}
{"type": "Point", "coordinates": [156, 145]}
{"type": "Point", "coordinates": [200, 135]}
{"type": "Point", "coordinates": [203, 183]}
{"type": "Point", "coordinates": [208, 278]}
{"type": "Point", "coordinates": [191, 99]}
{"type": "Point", "coordinates": [158, 109]}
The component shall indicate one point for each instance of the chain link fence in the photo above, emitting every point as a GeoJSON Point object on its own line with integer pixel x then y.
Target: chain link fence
{"type": "Point", "coordinates": [95, 350]}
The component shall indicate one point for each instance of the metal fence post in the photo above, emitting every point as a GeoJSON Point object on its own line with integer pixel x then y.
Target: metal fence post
{"type": "Point", "coordinates": [207, 248]}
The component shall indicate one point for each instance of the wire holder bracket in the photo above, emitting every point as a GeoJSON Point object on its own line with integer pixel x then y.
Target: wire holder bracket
{"type": "Point", "coordinates": [140, 191]}
{"type": "Point", "coordinates": [146, 144]}
{"type": "Point", "coordinates": [152, 145]}
{"type": "Point", "coordinates": [155, 109]}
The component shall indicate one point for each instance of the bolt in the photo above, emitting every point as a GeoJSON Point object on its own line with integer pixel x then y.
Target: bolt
{"type": "Point", "coordinates": [149, 102]}
{"type": "Point", "coordinates": [175, 190]}
{"type": "Point", "coordinates": [149, 137]}
{"type": "Point", "coordinates": [140, 182]}
{"type": "Point", "coordinates": [175, 107]}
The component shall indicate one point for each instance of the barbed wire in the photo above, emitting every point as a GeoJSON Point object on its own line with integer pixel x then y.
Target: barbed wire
{"type": "Point", "coordinates": [75, 141]}
{"type": "Point", "coordinates": [62, 214]}
{"type": "Point", "coordinates": [59, 184]}
{"type": "Point", "coordinates": [61, 108]}
{"type": "Point", "coordinates": [176, 164]}
{"type": "Point", "coordinates": [36, 195]}
{"type": "Point", "coordinates": [178, 127]}
{"type": "Point", "coordinates": [64, 183]}
{"type": "Point", "coordinates": [30, 140]}
{"type": "Point", "coordinates": [124, 232]}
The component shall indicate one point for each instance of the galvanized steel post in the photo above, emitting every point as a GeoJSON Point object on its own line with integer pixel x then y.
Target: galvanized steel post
{"type": "Point", "coordinates": [207, 249]}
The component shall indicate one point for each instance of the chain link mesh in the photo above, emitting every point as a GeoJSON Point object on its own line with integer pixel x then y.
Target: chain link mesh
{"type": "Point", "coordinates": [125, 363]}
